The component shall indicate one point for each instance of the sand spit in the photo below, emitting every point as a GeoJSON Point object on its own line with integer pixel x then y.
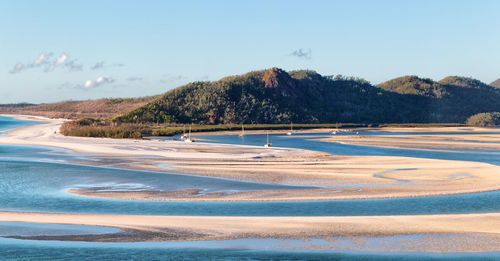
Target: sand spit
{"type": "Point", "coordinates": [164, 228]}
{"type": "Point", "coordinates": [442, 138]}
{"type": "Point", "coordinates": [47, 134]}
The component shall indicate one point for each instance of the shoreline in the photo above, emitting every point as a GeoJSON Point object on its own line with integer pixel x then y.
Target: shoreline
{"type": "Point", "coordinates": [147, 228]}
{"type": "Point", "coordinates": [382, 176]}
{"type": "Point", "coordinates": [331, 173]}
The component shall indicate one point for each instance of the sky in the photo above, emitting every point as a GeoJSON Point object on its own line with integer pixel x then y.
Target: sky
{"type": "Point", "coordinates": [77, 50]}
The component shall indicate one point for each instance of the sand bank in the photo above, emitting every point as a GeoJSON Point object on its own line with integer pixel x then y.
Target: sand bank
{"type": "Point", "coordinates": [222, 228]}
{"type": "Point", "coordinates": [47, 134]}
{"type": "Point", "coordinates": [442, 138]}
{"type": "Point", "coordinates": [336, 177]}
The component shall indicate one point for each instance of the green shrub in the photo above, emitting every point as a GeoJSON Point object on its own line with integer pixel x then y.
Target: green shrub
{"type": "Point", "coordinates": [484, 119]}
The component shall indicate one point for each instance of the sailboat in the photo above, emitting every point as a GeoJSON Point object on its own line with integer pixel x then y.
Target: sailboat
{"type": "Point", "coordinates": [267, 145]}
{"type": "Point", "coordinates": [184, 136]}
{"type": "Point", "coordinates": [188, 138]}
{"type": "Point", "coordinates": [242, 134]}
{"type": "Point", "coordinates": [291, 130]}
{"type": "Point", "coordinates": [334, 132]}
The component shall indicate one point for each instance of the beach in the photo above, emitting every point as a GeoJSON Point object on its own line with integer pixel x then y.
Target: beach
{"type": "Point", "coordinates": [330, 177]}
{"type": "Point", "coordinates": [483, 228]}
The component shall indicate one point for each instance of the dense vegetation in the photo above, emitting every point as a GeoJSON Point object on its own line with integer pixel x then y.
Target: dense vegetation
{"type": "Point", "coordinates": [275, 97]}
{"type": "Point", "coordinates": [486, 119]}
{"type": "Point", "coordinates": [452, 99]}
{"type": "Point", "coordinates": [100, 128]}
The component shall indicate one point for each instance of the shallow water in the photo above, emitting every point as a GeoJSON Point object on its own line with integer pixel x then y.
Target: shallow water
{"type": "Point", "coordinates": [35, 179]}
{"type": "Point", "coordinates": [40, 229]}
{"type": "Point", "coordinates": [33, 185]}
{"type": "Point", "coordinates": [245, 249]}
{"type": "Point", "coordinates": [9, 123]}
{"type": "Point", "coordinates": [304, 141]}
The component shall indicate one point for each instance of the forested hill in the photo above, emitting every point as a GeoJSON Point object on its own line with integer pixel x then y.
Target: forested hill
{"type": "Point", "coordinates": [277, 96]}
{"type": "Point", "coordinates": [452, 99]}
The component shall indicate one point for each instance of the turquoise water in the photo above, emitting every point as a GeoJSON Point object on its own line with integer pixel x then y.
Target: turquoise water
{"type": "Point", "coordinates": [35, 179]}
{"type": "Point", "coordinates": [34, 229]}
{"type": "Point", "coordinates": [267, 249]}
{"type": "Point", "coordinates": [304, 141]}
{"type": "Point", "coordinates": [9, 123]}
{"type": "Point", "coordinates": [31, 185]}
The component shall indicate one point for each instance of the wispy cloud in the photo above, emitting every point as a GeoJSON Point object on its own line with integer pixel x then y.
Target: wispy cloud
{"type": "Point", "coordinates": [134, 79]}
{"type": "Point", "coordinates": [302, 53]}
{"type": "Point", "coordinates": [101, 80]}
{"type": "Point", "coordinates": [168, 78]}
{"type": "Point", "coordinates": [45, 60]}
{"type": "Point", "coordinates": [102, 64]}
{"type": "Point", "coordinates": [73, 66]}
{"type": "Point", "coordinates": [38, 62]}
{"type": "Point", "coordinates": [98, 65]}
{"type": "Point", "coordinates": [17, 68]}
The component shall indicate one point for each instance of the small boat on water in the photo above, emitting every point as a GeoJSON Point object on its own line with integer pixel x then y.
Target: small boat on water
{"type": "Point", "coordinates": [188, 138]}
{"type": "Point", "coordinates": [184, 136]}
{"type": "Point", "coordinates": [267, 145]}
{"type": "Point", "coordinates": [334, 132]}
{"type": "Point", "coordinates": [242, 134]}
{"type": "Point", "coordinates": [291, 130]}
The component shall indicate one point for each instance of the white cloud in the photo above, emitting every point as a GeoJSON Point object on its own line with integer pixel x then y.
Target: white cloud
{"type": "Point", "coordinates": [41, 59]}
{"type": "Point", "coordinates": [89, 84]}
{"type": "Point", "coordinates": [60, 60]}
{"type": "Point", "coordinates": [50, 63]}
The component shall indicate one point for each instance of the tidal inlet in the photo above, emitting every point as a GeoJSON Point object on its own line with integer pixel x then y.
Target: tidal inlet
{"type": "Point", "coordinates": [216, 130]}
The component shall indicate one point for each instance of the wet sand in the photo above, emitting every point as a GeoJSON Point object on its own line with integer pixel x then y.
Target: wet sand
{"type": "Point", "coordinates": [336, 177]}
{"type": "Point", "coordinates": [373, 176]}
{"type": "Point", "coordinates": [163, 228]}
{"type": "Point", "coordinates": [471, 138]}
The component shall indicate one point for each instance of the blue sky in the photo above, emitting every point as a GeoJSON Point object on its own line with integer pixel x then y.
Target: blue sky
{"type": "Point", "coordinates": [88, 49]}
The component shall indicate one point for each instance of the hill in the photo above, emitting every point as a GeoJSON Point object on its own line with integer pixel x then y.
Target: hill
{"type": "Point", "coordinates": [415, 86]}
{"type": "Point", "coordinates": [98, 109]}
{"type": "Point", "coordinates": [496, 83]}
{"type": "Point", "coordinates": [452, 99]}
{"type": "Point", "coordinates": [276, 96]}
